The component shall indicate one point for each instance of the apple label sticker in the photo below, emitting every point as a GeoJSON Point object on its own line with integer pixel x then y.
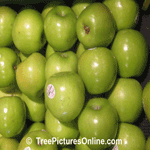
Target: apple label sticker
{"type": "Point", "coordinates": [50, 91]}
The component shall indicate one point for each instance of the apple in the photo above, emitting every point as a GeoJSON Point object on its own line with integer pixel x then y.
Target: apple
{"type": "Point", "coordinates": [96, 26]}
{"type": "Point", "coordinates": [81, 144]}
{"type": "Point", "coordinates": [28, 31]}
{"type": "Point", "coordinates": [8, 63]}
{"type": "Point", "coordinates": [146, 100]}
{"type": "Point", "coordinates": [7, 18]}
{"type": "Point", "coordinates": [35, 108]}
{"type": "Point", "coordinates": [37, 140]}
{"type": "Point", "coordinates": [49, 51]}
{"type": "Point", "coordinates": [148, 143]}
{"type": "Point", "coordinates": [8, 143]}
{"type": "Point", "coordinates": [59, 129]}
{"type": "Point", "coordinates": [30, 75]}
{"type": "Point", "coordinates": [60, 28]}
{"type": "Point", "coordinates": [130, 137]}
{"type": "Point", "coordinates": [98, 69]}
{"type": "Point", "coordinates": [125, 12]}
{"type": "Point", "coordinates": [80, 50]}
{"type": "Point", "coordinates": [99, 120]}
{"type": "Point", "coordinates": [61, 62]}
{"type": "Point", "coordinates": [131, 51]}
{"type": "Point", "coordinates": [13, 116]}
{"type": "Point", "coordinates": [49, 6]}
{"type": "Point", "coordinates": [126, 97]}
{"type": "Point", "coordinates": [65, 95]}
{"type": "Point", "coordinates": [23, 56]}
{"type": "Point", "coordinates": [79, 5]}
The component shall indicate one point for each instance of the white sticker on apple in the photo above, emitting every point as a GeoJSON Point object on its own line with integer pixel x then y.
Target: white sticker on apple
{"type": "Point", "coordinates": [50, 91]}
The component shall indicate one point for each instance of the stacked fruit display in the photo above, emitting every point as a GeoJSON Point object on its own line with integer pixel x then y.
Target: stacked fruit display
{"type": "Point", "coordinates": [72, 72]}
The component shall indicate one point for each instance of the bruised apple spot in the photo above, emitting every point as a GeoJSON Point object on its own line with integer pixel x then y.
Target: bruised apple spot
{"type": "Point", "coordinates": [86, 28]}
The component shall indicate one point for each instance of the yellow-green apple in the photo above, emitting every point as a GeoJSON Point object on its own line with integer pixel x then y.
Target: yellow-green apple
{"type": "Point", "coordinates": [28, 31]}
{"type": "Point", "coordinates": [61, 62]}
{"type": "Point", "coordinates": [30, 75]}
{"type": "Point", "coordinates": [98, 120]}
{"type": "Point", "coordinates": [148, 143]}
{"type": "Point", "coordinates": [8, 143]}
{"type": "Point", "coordinates": [130, 137]}
{"type": "Point", "coordinates": [125, 12]}
{"type": "Point", "coordinates": [49, 51]}
{"type": "Point", "coordinates": [8, 63]}
{"type": "Point", "coordinates": [49, 6]}
{"type": "Point", "coordinates": [98, 69]}
{"type": "Point", "coordinates": [13, 116]}
{"type": "Point", "coordinates": [96, 26]}
{"type": "Point", "coordinates": [60, 28]}
{"type": "Point", "coordinates": [35, 108]}
{"type": "Point", "coordinates": [131, 51]}
{"type": "Point", "coordinates": [7, 18]}
{"type": "Point", "coordinates": [79, 5]}
{"type": "Point", "coordinates": [126, 98]}
{"type": "Point", "coordinates": [37, 140]}
{"type": "Point", "coordinates": [80, 50]}
{"type": "Point", "coordinates": [65, 95]}
{"type": "Point", "coordinates": [68, 130]}
{"type": "Point", "coordinates": [146, 99]}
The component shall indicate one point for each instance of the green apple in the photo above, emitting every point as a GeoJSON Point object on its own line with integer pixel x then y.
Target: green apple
{"type": "Point", "coordinates": [37, 140]}
{"type": "Point", "coordinates": [35, 108]}
{"type": "Point", "coordinates": [13, 116]}
{"type": "Point", "coordinates": [146, 99]}
{"type": "Point", "coordinates": [80, 50]}
{"type": "Point", "coordinates": [81, 144]}
{"type": "Point", "coordinates": [49, 6]}
{"type": "Point", "coordinates": [60, 28]}
{"type": "Point", "coordinates": [126, 97]}
{"type": "Point", "coordinates": [99, 120]}
{"type": "Point", "coordinates": [59, 129]}
{"type": "Point", "coordinates": [65, 95]}
{"type": "Point", "coordinates": [8, 143]}
{"type": "Point", "coordinates": [28, 31]}
{"type": "Point", "coordinates": [130, 137]}
{"type": "Point", "coordinates": [49, 51]}
{"type": "Point", "coordinates": [61, 62]}
{"type": "Point", "coordinates": [30, 75]}
{"type": "Point", "coordinates": [7, 18]}
{"type": "Point", "coordinates": [124, 12]}
{"type": "Point", "coordinates": [23, 56]}
{"type": "Point", "coordinates": [148, 143]}
{"type": "Point", "coordinates": [131, 51]}
{"type": "Point", "coordinates": [96, 26]}
{"type": "Point", "coordinates": [8, 63]}
{"type": "Point", "coordinates": [98, 69]}
{"type": "Point", "coordinates": [13, 92]}
{"type": "Point", "coordinates": [79, 5]}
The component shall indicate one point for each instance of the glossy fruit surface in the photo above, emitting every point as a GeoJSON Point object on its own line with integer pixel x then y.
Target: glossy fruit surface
{"type": "Point", "coordinates": [98, 69]}
{"type": "Point", "coordinates": [96, 26]}
{"type": "Point", "coordinates": [7, 18]}
{"type": "Point", "coordinates": [131, 51]}
{"type": "Point", "coordinates": [125, 12]}
{"type": "Point", "coordinates": [27, 37]}
{"type": "Point", "coordinates": [65, 95]}
{"type": "Point", "coordinates": [13, 116]}
{"type": "Point", "coordinates": [99, 119]}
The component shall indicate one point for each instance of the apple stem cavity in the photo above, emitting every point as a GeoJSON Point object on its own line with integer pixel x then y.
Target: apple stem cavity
{"type": "Point", "coordinates": [96, 107]}
{"type": "Point", "coordinates": [64, 55]}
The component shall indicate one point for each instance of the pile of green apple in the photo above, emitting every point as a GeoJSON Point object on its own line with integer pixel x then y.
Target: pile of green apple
{"type": "Point", "coordinates": [71, 72]}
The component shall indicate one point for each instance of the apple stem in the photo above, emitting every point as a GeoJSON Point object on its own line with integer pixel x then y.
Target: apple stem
{"type": "Point", "coordinates": [15, 67]}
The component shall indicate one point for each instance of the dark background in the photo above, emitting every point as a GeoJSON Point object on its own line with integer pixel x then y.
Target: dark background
{"type": "Point", "coordinates": [143, 25]}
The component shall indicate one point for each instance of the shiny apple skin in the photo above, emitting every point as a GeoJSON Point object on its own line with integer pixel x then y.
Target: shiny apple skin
{"type": "Point", "coordinates": [131, 51]}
